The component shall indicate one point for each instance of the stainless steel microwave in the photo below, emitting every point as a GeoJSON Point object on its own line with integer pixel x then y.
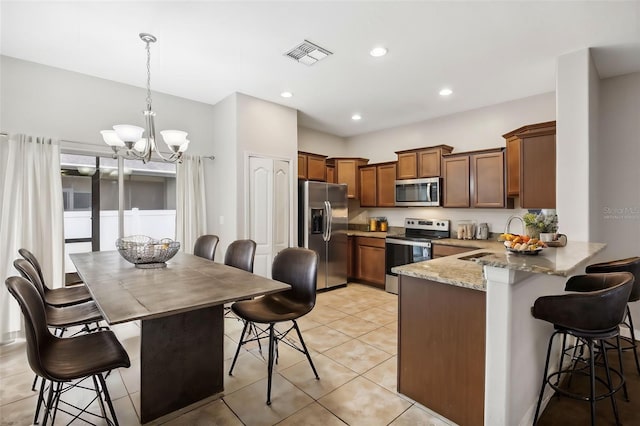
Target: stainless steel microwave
{"type": "Point", "coordinates": [418, 192]}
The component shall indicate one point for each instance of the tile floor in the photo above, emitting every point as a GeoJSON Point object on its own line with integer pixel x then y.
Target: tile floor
{"type": "Point", "coordinates": [352, 336]}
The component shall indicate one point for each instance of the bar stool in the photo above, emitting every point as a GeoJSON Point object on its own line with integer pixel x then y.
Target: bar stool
{"type": "Point", "coordinates": [591, 317]}
{"type": "Point", "coordinates": [632, 265]}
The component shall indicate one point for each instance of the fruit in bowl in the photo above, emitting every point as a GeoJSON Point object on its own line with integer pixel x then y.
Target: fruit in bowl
{"type": "Point", "coordinates": [521, 243]}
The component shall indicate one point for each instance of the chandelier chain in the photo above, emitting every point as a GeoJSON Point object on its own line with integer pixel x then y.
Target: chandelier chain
{"type": "Point", "coordinates": [148, 75]}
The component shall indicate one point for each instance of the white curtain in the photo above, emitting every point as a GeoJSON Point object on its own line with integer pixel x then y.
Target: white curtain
{"type": "Point", "coordinates": [31, 215]}
{"type": "Point", "coordinates": [191, 213]}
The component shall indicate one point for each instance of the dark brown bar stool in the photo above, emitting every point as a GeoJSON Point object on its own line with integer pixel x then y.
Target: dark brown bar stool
{"type": "Point", "coordinates": [64, 296]}
{"type": "Point", "coordinates": [205, 246]}
{"type": "Point", "coordinates": [297, 267]}
{"type": "Point", "coordinates": [632, 265]}
{"type": "Point", "coordinates": [592, 317]}
{"type": "Point", "coordinates": [62, 361]}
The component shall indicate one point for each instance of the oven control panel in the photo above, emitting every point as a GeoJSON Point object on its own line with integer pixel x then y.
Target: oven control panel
{"type": "Point", "coordinates": [427, 224]}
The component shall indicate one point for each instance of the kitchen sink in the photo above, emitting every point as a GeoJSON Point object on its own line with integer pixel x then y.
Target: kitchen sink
{"type": "Point", "coordinates": [475, 255]}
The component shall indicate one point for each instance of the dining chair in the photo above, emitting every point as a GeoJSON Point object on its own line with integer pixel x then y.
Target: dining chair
{"type": "Point", "coordinates": [64, 296]}
{"type": "Point", "coordinates": [297, 267]}
{"type": "Point", "coordinates": [66, 361]}
{"type": "Point", "coordinates": [205, 246]}
{"type": "Point", "coordinates": [63, 317]}
{"type": "Point", "coordinates": [241, 254]}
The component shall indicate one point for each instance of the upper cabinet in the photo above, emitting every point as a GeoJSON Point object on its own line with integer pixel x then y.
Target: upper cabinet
{"type": "Point", "coordinates": [347, 172]}
{"type": "Point", "coordinates": [312, 166]}
{"type": "Point", "coordinates": [475, 179]}
{"type": "Point", "coordinates": [531, 165]}
{"type": "Point", "coordinates": [377, 185]}
{"type": "Point", "coordinates": [331, 174]}
{"type": "Point", "coordinates": [421, 162]}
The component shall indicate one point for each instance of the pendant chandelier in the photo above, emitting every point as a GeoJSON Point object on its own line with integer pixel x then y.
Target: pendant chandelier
{"type": "Point", "coordinates": [127, 140]}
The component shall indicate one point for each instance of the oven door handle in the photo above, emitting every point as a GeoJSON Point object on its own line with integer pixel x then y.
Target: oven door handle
{"type": "Point", "coordinates": [408, 242]}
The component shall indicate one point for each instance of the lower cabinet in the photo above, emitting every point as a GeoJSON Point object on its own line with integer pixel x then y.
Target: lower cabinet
{"type": "Point", "coordinates": [351, 261]}
{"type": "Point", "coordinates": [370, 258]}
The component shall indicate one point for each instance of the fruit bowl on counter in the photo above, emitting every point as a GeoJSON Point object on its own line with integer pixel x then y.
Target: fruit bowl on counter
{"type": "Point", "coordinates": [145, 252]}
{"type": "Point", "coordinates": [522, 244]}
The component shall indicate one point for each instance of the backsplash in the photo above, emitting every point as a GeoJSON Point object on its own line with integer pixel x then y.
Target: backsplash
{"type": "Point", "coordinates": [495, 218]}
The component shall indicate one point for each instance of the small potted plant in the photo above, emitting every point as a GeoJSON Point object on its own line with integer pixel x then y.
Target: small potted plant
{"type": "Point", "coordinates": [537, 223]}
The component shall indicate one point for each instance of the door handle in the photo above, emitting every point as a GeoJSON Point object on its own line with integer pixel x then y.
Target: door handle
{"type": "Point", "coordinates": [429, 192]}
{"type": "Point", "coordinates": [325, 233]}
{"type": "Point", "coordinates": [330, 217]}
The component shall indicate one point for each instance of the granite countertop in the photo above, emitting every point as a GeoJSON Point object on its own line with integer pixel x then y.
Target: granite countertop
{"type": "Point", "coordinates": [356, 233]}
{"type": "Point", "coordinates": [469, 273]}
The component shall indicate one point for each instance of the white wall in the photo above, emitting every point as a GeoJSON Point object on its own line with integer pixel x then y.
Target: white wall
{"type": "Point", "coordinates": [221, 189]}
{"type": "Point", "coordinates": [572, 143]}
{"type": "Point", "coordinates": [46, 101]}
{"type": "Point", "coordinates": [270, 130]}
{"type": "Point", "coordinates": [470, 130]}
{"type": "Point", "coordinates": [310, 140]}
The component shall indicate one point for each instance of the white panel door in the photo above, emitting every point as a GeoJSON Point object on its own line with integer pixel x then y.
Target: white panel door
{"type": "Point", "coordinates": [281, 205]}
{"type": "Point", "coordinates": [261, 212]}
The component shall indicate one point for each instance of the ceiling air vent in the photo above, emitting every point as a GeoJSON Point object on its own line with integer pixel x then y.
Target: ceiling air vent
{"type": "Point", "coordinates": [308, 53]}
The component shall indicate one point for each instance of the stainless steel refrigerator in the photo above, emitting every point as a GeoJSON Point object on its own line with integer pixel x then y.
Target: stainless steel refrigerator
{"type": "Point", "coordinates": [322, 227]}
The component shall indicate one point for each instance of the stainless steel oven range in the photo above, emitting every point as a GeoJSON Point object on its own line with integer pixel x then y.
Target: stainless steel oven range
{"type": "Point", "coordinates": [413, 246]}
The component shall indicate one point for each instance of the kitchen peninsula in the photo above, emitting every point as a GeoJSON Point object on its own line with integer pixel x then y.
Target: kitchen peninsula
{"type": "Point", "coordinates": [469, 348]}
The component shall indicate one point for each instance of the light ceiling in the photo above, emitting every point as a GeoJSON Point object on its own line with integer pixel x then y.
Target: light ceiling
{"type": "Point", "coordinates": [487, 52]}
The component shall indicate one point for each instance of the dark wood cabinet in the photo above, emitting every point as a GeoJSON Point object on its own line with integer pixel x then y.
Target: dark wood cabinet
{"type": "Point", "coordinates": [455, 181]}
{"type": "Point", "coordinates": [331, 174]}
{"type": "Point", "coordinates": [441, 348]}
{"type": "Point", "coordinates": [312, 166]}
{"type": "Point", "coordinates": [386, 184]}
{"type": "Point", "coordinates": [475, 179]}
{"type": "Point", "coordinates": [351, 260]}
{"type": "Point", "coordinates": [347, 172]}
{"type": "Point", "coordinates": [377, 185]}
{"type": "Point", "coordinates": [531, 165]}
{"type": "Point", "coordinates": [407, 165]}
{"type": "Point", "coordinates": [421, 162]}
{"type": "Point", "coordinates": [370, 258]}
{"type": "Point", "coordinates": [368, 186]}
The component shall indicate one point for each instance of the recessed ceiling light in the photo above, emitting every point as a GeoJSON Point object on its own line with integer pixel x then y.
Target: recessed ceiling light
{"type": "Point", "coordinates": [286, 94]}
{"type": "Point", "coordinates": [376, 52]}
{"type": "Point", "coordinates": [356, 117]}
{"type": "Point", "coordinates": [446, 92]}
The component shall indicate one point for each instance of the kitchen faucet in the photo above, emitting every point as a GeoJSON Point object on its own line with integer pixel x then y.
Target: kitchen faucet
{"type": "Point", "coordinates": [506, 228]}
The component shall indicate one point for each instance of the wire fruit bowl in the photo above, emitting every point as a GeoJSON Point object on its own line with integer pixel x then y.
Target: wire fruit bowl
{"type": "Point", "coordinates": [145, 252]}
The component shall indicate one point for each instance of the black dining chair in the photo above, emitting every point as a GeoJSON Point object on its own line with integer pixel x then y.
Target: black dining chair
{"type": "Point", "coordinates": [241, 254]}
{"type": "Point", "coordinates": [62, 361]}
{"type": "Point", "coordinates": [64, 296]}
{"type": "Point", "coordinates": [297, 267]}
{"type": "Point", "coordinates": [205, 246]}
{"type": "Point", "coordinates": [61, 318]}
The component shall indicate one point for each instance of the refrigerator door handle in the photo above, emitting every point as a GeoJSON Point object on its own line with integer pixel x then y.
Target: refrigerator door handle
{"type": "Point", "coordinates": [330, 218]}
{"type": "Point", "coordinates": [325, 234]}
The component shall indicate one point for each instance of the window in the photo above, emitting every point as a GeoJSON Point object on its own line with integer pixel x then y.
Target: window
{"type": "Point", "coordinates": [90, 195]}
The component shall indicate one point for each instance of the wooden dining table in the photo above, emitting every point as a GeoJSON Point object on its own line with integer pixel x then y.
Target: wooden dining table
{"type": "Point", "coordinates": [181, 310]}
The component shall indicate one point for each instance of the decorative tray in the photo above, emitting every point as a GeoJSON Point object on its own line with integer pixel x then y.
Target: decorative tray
{"type": "Point", "coordinates": [525, 252]}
